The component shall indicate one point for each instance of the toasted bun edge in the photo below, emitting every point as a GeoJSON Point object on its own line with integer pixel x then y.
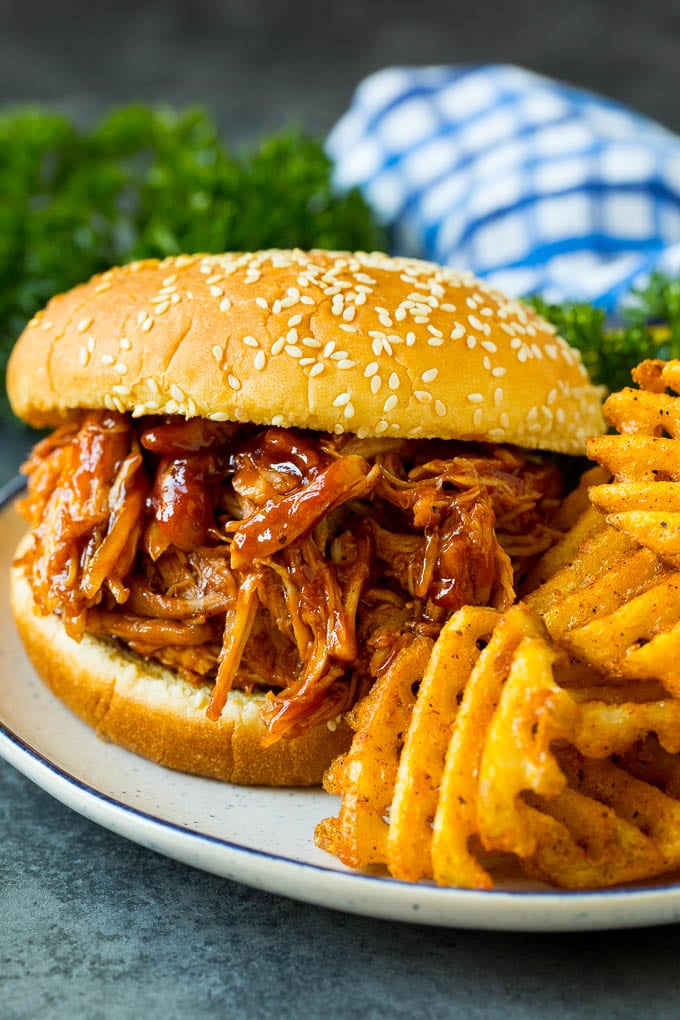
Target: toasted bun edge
{"type": "Point", "coordinates": [151, 711]}
{"type": "Point", "coordinates": [333, 341]}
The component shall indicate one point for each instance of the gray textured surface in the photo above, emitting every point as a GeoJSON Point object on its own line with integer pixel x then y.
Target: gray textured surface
{"type": "Point", "coordinates": [93, 926]}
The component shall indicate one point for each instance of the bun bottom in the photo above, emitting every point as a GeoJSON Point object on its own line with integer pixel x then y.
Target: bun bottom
{"type": "Point", "coordinates": [150, 710]}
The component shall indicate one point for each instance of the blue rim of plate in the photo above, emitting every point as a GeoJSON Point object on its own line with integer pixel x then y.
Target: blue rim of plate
{"type": "Point", "coordinates": [568, 903]}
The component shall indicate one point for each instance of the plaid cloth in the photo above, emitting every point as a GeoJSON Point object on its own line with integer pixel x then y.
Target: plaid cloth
{"type": "Point", "coordinates": [537, 186]}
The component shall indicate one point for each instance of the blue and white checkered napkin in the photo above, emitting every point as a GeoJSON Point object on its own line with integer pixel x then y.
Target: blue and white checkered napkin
{"type": "Point", "coordinates": [535, 185]}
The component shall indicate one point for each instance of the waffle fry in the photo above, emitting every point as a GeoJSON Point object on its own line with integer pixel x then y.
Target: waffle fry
{"type": "Point", "coordinates": [644, 501]}
{"type": "Point", "coordinates": [549, 734]}
{"type": "Point", "coordinates": [366, 775]}
{"type": "Point", "coordinates": [421, 766]}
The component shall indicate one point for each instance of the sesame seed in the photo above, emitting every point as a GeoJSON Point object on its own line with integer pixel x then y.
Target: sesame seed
{"type": "Point", "coordinates": [259, 361]}
{"type": "Point", "coordinates": [141, 317]}
{"type": "Point", "coordinates": [348, 327]}
{"type": "Point", "coordinates": [486, 361]}
{"type": "Point", "coordinates": [477, 417]}
{"type": "Point", "coordinates": [225, 304]}
{"type": "Point", "coordinates": [316, 370]}
{"type": "Point", "coordinates": [107, 359]}
{"type": "Point", "coordinates": [216, 291]}
{"type": "Point", "coordinates": [434, 331]}
{"type": "Point", "coordinates": [276, 307]}
{"type": "Point", "coordinates": [176, 393]}
{"type": "Point", "coordinates": [410, 339]}
{"type": "Point", "coordinates": [457, 332]}
{"type": "Point", "coordinates": [123, 391]}
{"type": "Point", "coordinates": [218, 416]}
{"type": "Point", "coordinates": [440, 408]}
{"type": "Point", "coordinates": [147, 325]}
{"type": "Point", "coordinates": [376, 383]}
{"type": "Point", "coordinates": [505, 420]}
{"type": "Point", "coordinates": [448, 307]}
{"type": "Point", "coordinates": [430, 375]}
{"type": "Point", "coordinates": [349, 411]}
{"type": "Point", "coordinates": [342, 399]}
{"type": "Point", "coordinates": [262, 303]}
{"type": "Point", "coordinates": [339, 355]}
{"type": "Point", "coordinates": [293, 351]}
{"type": "Point", "coordinates": [307, 300]}
{"type": "Point", "coordinates": [295, 320]}
{"type": "Point", "coordinates": [83, 356]}
{"type": "Point", "coordinates": [370, 369]}
{"type": "Point", "coordinates": [120, 368]}
{"type": "Point", "coordinates": [250, 341]}
{"type": "Point", "coordinates": [90, 344]}
{"type": "Point", "coordinates": [498, 396]}
{"type": "Point", "coordinates": [169, 280]}
{"type": "Point", "coordinates": [434, 341]}
{"type": "Point", "coordinates": [84, 324]}
{"type": "Point", "coordinates": [234, 382]}
{"type": "Point", "coordinates": [475, 398]}
{"type": "Point", "coordinates": [390, 403]}
{"type": "Point", "coordinates": [329, 348]}
{"type": "Point", "coordinates": [422, 319]}
{"type": "Point", "coordinates": [345, 363]}
{"type": "Point", "coordinates": [393, 381]}
{"type": "Point", "coordinates": [422, 396]}
{"type": "Point", "coordinates": [278, 420]}
{"type": "Point", "coordinates": [217, 352]}
{"type": "Point", "coordinates": [349, 313]}
{"type": "Point", "coordinates": [304, 362]}
{"type": "Point", "coordinates": [381, 427]}
{"type": "Point", "coordinates": [278, 345]}
{"type": "Point", "coordinates": [489, 346]}
{"type": "Point", "coordinates": [471, 342]}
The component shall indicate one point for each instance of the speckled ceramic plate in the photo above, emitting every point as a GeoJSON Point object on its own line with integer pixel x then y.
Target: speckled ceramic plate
{"type": "Point", "coordinates": [260, 837]}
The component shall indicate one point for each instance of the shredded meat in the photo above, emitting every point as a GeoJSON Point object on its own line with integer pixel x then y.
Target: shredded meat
{"type": "Point", "coordinates": [296, 562]}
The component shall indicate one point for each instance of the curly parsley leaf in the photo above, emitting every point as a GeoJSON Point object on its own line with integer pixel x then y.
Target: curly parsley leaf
{"type": "Point", "coordinates": [152, 182]}
{"type": "Point", "coordinates": [649, 328]}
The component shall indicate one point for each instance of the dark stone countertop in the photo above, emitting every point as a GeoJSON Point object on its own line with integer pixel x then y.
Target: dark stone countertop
{"type": "Point", "coordinates": [92, 925]}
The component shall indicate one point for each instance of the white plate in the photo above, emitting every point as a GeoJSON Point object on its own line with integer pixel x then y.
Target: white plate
{"type": "Point", "coordinates": [260, 837]}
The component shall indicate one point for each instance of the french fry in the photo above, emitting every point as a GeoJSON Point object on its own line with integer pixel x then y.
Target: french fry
{"type": "Point", "coordinates": [367, 773]}
{"type": "Point", "coordinates": [455, 821]}
{"type": "Point", "coordinates": [422, 761]}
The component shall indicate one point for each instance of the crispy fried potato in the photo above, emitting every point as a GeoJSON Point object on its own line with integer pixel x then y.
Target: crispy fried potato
{"type": "Point", "coordinates": [366, 775]}
{"type": "Point", "coordinates": [455, 821]}
{"type": "Point", "coordinates": [422, 762]}
{"type": "Point", "coordinates": [548, 733]}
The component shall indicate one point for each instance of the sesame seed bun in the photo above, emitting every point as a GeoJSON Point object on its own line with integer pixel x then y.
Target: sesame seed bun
{"type": "Point", "coordinates": [150, 710]}
{"type": "Point", "coordinates": [331, 341]}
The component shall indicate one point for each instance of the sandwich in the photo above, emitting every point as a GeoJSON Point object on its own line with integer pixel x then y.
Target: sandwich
{"type": "Point", "coordinates": [266, 474]}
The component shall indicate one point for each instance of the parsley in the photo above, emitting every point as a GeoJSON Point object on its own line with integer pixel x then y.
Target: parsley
{"type": "Point", "coordinates": [649, 328]}
{"type": "Point", "coordinates": [152, 182]}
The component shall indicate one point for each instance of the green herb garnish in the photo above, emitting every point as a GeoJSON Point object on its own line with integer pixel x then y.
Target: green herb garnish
{"type": "Point", "coordinates": [649, 327]}
{"type": "Point", "coordinates": [152, 182]}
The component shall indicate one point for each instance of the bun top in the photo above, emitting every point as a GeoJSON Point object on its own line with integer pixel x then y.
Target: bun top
{"type": "Point", "coordinates": [332, 341]}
